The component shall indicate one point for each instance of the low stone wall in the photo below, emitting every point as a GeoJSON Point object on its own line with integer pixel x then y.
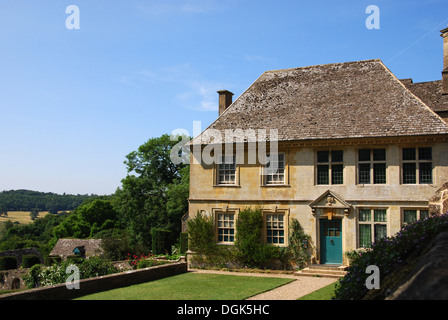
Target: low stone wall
{"type": "Point", "coordinates": [12, 279]}
{"type": "Point", "coordinates": [429, 279]}
{"type": "Point", "coordinates": [98, 284]}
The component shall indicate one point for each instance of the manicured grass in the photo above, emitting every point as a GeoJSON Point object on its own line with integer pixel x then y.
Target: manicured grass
{"type": "Point", "coordinates": [325, 293]}
{"type": "Point", "coordinates": [194, 286]}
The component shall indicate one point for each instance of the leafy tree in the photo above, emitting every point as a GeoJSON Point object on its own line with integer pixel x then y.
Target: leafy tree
{"type": "Point", "coordinates": [147, 196]}
{"type": "Point", "coordinates": [34, 213]}
{"type": "Point", "coordinates": [3, 209]}
{"type": "Point", "coordinates": [87, 220]}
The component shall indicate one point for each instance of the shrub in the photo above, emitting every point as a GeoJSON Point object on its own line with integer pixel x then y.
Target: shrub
{"type": "Point", "coordinates": [32, 279]}
{"type": "Point", "coordinates": [161, 241]}
{"type": "Point", "coordinates": [298, 253]}
{"type": "Point", "coordinates": [7, 263]}
{"type": "Point", "coordinates": [389, 254]}
{"type": "Point", "coordinates": [40, 276]}
{"type": "Point", "coordinates": [250, 249]}
{"type": "Point", "coordinates": [183, 242]}
{"type": "Point", "coordinates": [201, 237]}
{"type": "Point", "coordinates": [30, 260]}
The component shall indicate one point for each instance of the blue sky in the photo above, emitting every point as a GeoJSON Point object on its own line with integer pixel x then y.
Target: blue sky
{"type": "Point", "coordinates": [74, 103]}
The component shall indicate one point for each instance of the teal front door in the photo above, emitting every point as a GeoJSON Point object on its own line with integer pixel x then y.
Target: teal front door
{"type": "Point", "coordinates": [331, 241]}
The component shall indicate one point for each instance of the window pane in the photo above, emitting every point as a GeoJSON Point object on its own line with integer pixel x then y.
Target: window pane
{"type": "Point", "coordinates": [274, 229]}
{"type": "Point", "coordinates": [364, 215]}
{"type": "Point", "coordinates": [379, 173]}
{"type": "Point", "coordinates": [425, 153]}
{"type": "Point", "coordinates": [425, 172]}
{"type": "Point", "coordinates": [408, 154]}
{"type": "Point", "coordinates": [322, 174]}
{"type": "Point", "coordinates": [226, 170]}
{"type": "Point", "coordinates": [409, 175]}
{"type": "Point", "coordinates": [322, 156]}
{"type": "Point", "coordinates": [379, 155]}
{"type": "Point", "coordinates": [226, 227]}
{"type": "Point", "coordinates": [337, 173]}
{"type": "Point", "coordinates": [409, 216]}
{"type": "Point", "coordinates": [380, 216]}
{"type": "Point", "coordinates": [364, 173]}
{"type": "Point", "coordinates": [337, 156]}
{"type": "Point", "coordinates": [365, 235]}
{"type": "Point", "coordinates": [364, 155]}
{"type": "Point", "coordinates": [424, 214]}
{"type": "Point", "coordinates": [380, 231]}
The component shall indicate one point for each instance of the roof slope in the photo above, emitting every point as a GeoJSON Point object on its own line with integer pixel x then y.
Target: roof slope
{"type": "Point", "coordinates": [429, 92]}
{"type": "Point", "coordinates": [341, 100]}
{"type": "Point", "coordinates": [65, 247]}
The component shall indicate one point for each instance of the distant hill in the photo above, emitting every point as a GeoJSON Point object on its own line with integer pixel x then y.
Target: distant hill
{"type": "Point", "coordinates": [25, 200]}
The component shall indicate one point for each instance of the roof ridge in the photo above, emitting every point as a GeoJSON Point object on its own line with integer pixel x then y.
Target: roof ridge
{"type": "Point", "coordinates": [323, 65]}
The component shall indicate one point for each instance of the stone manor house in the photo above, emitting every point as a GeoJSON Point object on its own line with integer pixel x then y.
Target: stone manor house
{"type": "Point", "coordinates": [360, 154]}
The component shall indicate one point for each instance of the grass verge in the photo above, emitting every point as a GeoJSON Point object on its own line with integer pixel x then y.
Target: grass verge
{"type": "Point", "coordinates": [325, 293]}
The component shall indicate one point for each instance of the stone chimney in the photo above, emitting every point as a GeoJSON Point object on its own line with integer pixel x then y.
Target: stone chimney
{"type": "Point", "coordinates": [444, 35]}
{"type": "Point", "coordinates": [225, 100]}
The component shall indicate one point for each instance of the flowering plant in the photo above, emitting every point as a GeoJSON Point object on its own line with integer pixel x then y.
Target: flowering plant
{"type": "Point", "coordinates": [389, 254]}
{"type": "Point", "coordinates": [135, 261]}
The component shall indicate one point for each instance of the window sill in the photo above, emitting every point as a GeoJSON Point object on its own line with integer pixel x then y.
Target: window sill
{"type": "Point", "coordinates": [275, 186]}
{"type": "Point", "coordinates": [226, 186]}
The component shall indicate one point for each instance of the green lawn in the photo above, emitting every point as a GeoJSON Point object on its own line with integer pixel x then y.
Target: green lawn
{"type": "Point", "coordinates": [325, 293]}
{"type": "Point", "coordinates": [194, 286]}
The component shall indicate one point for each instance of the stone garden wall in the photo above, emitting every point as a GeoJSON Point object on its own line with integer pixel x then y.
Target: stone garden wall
{"type": "Point", "coordinates": [98, 284]}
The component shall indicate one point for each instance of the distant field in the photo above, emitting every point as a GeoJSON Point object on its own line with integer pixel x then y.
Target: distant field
{"type": "Point", "coordinates": [23, 217]}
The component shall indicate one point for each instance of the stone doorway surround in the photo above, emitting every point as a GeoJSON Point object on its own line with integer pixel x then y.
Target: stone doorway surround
{"type": "Point", "coordinates": [329, 206]}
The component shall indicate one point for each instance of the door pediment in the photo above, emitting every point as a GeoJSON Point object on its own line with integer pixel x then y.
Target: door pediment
{"type": "Point", "coordinates": [330, 202]}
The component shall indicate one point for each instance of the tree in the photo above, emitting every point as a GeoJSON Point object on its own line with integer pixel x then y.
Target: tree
{"type": "Point", "coordinates": [34, 213]}
{"type": "Point", "coordinates": [150, 184]}
{"type": "Point", "coordinates": [3, 209]}
{"type": "Point", "coordinates": [87, 220]}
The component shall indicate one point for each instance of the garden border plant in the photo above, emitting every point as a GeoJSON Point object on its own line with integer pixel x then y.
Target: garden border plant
{"type": "Point", "coordinates": [394, 256]}
{"type": "Point", "coordinates": [41, 276]}
{"type": "Point", "coordinates": [249, 249]}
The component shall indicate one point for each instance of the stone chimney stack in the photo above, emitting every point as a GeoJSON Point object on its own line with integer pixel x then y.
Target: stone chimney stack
{"type": "Point", "coordinates": [444, 35]}
{"type": "Point", "coordinates": [225, 100]}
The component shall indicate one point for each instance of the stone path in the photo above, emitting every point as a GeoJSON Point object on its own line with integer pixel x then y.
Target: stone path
{"type": "Point", "coordinates": [291, 291]}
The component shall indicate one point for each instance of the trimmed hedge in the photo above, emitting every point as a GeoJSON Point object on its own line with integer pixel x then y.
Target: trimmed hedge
{"type": "Point", "coordinates": [8, 263]}
{"type": "Point", "coordinates": [183, 240]}
{"type": "Point", "coordinates": [30, 260]}
{"type": "Point", "coordinates": [161, 241]}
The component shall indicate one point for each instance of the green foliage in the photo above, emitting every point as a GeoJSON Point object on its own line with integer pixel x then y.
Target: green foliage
{"type": "Point", "coordinates": [183, 242]}
{"type": "Point", "coordinates": [115, 244]}
{"type": "Point", "coordinates": [7, 263]}
{"type": "Point", "coordinates": [154, 194]}
{"type": "Point", "coordinates": [201, 236]}
{"type": "Point", "coordinates": [40, 276]}
{"type": "Point", "coordinates": [389, 254]}
{"type": "Point", "coordinates": [25, 200]}
{"type": "Point", "coordinates": [297, 253]}
{"type": "Point", "coordinates": [250, 249]}
{"type": "Point", "coordinates": [87, 220]}
{"type": "Point", "coordinates": [201, 240]}
{"type": "Point", "coordinates": [30, 260]}
{"type": "Point", "coordinates": [161, 241]}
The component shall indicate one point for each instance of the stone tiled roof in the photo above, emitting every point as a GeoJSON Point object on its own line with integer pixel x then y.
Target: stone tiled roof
{"type": "Point", "coordinates": [65, 247]}
{"type": "Point", "coordinates": [429, 92]}
{"type": "Point", "coordinates": [332, 101]}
